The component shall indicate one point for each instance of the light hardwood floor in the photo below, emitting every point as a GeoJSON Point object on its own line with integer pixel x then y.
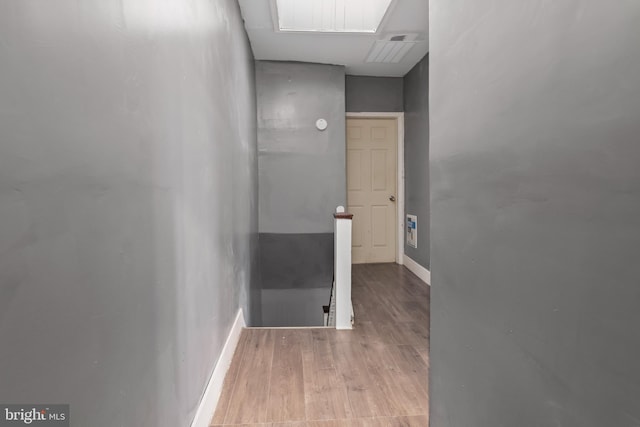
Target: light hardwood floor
{"type": "Point", "coordinates": [374, 375]}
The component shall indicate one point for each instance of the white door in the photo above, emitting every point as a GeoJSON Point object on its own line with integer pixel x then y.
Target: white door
{"type": "Point", "coordinates": [371, 188]}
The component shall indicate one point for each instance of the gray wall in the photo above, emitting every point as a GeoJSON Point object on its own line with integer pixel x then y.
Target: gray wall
{"type": "Point", "coordinates": [299, 307]}
{"type": "Point", "coordinates": [128, 203]}
{"type": "Point", "coordinates": [301, 171]}
{"type": "Point", "coordinates": [416, 157]}
{"type": "Point", "coordinates": [373, 94]}
{"type": "Point", "coordinates": [535, 153]}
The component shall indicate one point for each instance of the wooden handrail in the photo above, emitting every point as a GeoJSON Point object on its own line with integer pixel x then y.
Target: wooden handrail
{"type": "Point", "coordinates": [343, 215]}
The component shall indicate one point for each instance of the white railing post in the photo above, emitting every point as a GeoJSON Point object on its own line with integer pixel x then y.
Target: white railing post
{"type": "Point", "coordinates": [342, 269]}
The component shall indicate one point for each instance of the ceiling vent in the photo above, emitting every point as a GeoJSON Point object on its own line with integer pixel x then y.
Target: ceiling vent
{"type": "Point", "coordinates": [392, 48]}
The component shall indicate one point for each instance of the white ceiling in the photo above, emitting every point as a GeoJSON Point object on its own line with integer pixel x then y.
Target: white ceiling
{"type": "Point", "coordinates": [409, 17]}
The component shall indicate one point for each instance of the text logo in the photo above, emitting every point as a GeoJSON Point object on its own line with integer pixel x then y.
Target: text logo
{"type": "Point", "coordinates": [34, 415]}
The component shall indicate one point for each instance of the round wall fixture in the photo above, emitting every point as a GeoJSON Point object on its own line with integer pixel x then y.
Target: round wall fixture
{"type": "Point", "coordinates": [321, 124]}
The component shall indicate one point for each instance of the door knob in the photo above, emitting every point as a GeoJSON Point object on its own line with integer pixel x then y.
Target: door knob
{"type": "Point", "coordinates": [392, 198]}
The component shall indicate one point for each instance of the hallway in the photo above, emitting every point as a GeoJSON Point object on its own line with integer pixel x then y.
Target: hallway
{"type": "Point", "coordinates": [374, 375]}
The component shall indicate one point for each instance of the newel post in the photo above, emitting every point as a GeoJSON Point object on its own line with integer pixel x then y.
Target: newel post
{"type": "Point", "coordinates": [342, 268]}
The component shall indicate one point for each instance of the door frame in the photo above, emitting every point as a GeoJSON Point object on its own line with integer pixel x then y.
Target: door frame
{"type": "Point", "coordinates": [399, 117]}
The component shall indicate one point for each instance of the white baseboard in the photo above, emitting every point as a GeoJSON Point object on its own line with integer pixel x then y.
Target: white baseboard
{"type": "Point", "coordinates": [209, 400]}
{"type": "Point", "coordinates": [417, 269]}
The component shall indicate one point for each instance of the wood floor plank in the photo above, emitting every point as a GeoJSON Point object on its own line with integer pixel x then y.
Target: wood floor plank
{"type": "Point", "coordinates": [398, 393]}
{"type": "Point", "coordinates": [405, 333]}
{"type": "Point", "coordinates": [397, 311]}
{"type": "Point", "coordinates": [354, 422]}
{"type": "Point", "coordinates": [409, 391]}
{"type": "Point", "coordinates": [230, 379]}
{"type": "Point", "coordinates": [326, 423]}
{"type": "Point", "coordinates": [399, 333]}
{"type": "Point", "coordinates": [250, 395]}
{"type": "Point", "coordinates": [321, 348]}
{"type": "Point", "coordinates": [413, 421]}
{"type": "Point", "coordinates": [366, 331]}
{"type": "Point", "coordinates": [421, 331]}
{"type": "Point", "coordinates": [411, 363]}
{"type": "Point", "coordinates": [362, 390]}
{"type": "Point", "coordinates": [403, 421]}
{"type": "Point", "coordinates": [406, 421]}
{"type": "Point", "coordinates": [286, 394]}
{"type": "Point", "coordinates": [424, 353]}
{"type": "Point", "coordinates": [372, 376]}
{"type": "Point", "coordinates": [418, 313]}
{"type": "Point", "coordinates": [285, 424]}
{"type": "Point", "coordinates": [325, 393]}
{"type": "Point", "coordinates": [360, 311]}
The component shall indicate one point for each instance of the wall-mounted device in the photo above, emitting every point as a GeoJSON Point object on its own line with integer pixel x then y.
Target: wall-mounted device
{"type": "Point", "coordinates": [321, 124]}
{"type": "Point", "coordinates": [412, 231]}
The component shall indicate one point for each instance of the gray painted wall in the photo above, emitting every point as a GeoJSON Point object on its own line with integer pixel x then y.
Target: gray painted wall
{"type": "Point", "coordinates": [302, 171]}
{"type": "Point", "coordinates": [296, 260]}
{"type": "Point", "coordinates": [299, 307]}
{"type": "Point", "coordinates": [374, 94]}
{"type": "Point", "coordinates": [128, 203]}
{"type": "Point", "coordinates": [535, 153]}
{"type": "Point", "coordinates": [416, 157]}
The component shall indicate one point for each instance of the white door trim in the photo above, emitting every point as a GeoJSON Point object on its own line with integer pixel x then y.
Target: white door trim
{"type": "Point", "coordinates": [400, 181]}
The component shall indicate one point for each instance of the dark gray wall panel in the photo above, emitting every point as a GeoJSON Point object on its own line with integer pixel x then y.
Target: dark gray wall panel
{"type": "Point", "coordinates": [302, 173]}
{"type": "Point", "coordinates": [128, 203]}
{"type": "Point", "coordinates": [299, 307]}
{"type": "Point", "coordinates": [535, 123]}
{"type": "Point", "coordinates": [302, 170]}
{"type": "Point", "coordinates": [374, 94]}
{"type": "Point", "coordinates": [296, 260]}
{"type": "Point", "coordinates": [416, 157]}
